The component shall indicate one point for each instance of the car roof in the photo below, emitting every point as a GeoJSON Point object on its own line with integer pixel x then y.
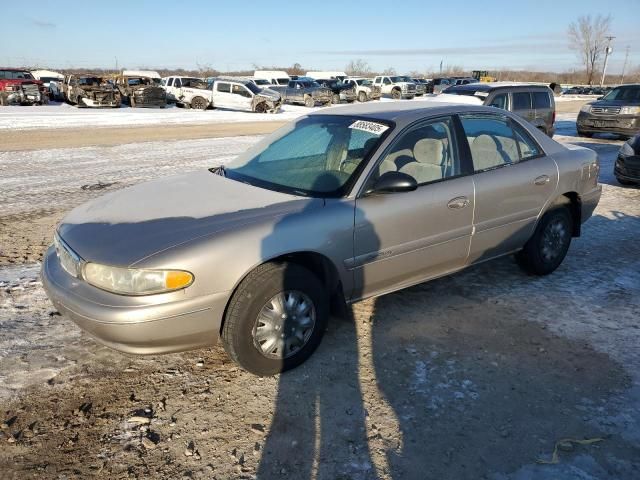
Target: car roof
{"type": "Point", "coordinates": [490, 86]}
{"type": "Point", "coordinates": [402, 112]}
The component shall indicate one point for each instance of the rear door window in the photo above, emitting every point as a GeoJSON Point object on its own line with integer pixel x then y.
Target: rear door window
{"type": "Point", "coordinates": [491, 141]}
{"type": "Point", "coordinates": [224, 87]}
{"type": "Point", "coordinates": [521, 101]}
{"type": "Point", "coordinates": [177, 83]}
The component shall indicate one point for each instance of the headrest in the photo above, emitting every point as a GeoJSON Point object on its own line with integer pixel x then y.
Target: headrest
{"type": "Point", "coordinates": [428, 150]}
{"type": "Point", "coordinates": [485, 142]}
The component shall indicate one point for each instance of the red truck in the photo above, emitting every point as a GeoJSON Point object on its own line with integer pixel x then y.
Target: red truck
{"type": "Point", "coordinates": [18, 87]}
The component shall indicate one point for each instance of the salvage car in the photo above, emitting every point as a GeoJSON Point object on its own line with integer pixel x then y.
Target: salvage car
{"type": "Point", "coordinates": [90, 91]}
{"type": "Point", "coordinates": [18, 87]}
{"type": "Point", "coordinates": [52, 83]}
{"type": "Point", "coordinates": [332, 208]}
{"type": "Point", "coordinates": [617, 112]}
{"type": "Point", "coordinates": [627, 166]}
{"type": "Point", "coordinates": [341, 91]}
{"type": "Point", "coordinates": [306, 92]}
{"type": "Point", "coordinates": [141, 88]}
{"type": "Point", "coordinates": [173, 84]}
{"type": "Point", "coordinates": [231, 93]}
{"type": "Point", "coordinates": [532, 102]}
{"type": "Point", "coordinates": [396, 86]}
{"type": "Point", "coordinates": [365, 89]}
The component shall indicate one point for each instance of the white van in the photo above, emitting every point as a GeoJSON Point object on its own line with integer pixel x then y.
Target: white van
{"type": "Point", "coordinates": [327, 75]}
{"type": "Point", "coordinates": [274, 77]}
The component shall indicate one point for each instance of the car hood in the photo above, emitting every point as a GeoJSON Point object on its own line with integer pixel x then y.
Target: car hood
{"type": "Point", "coordinates": [125, 226]}
{"type": "Point", "coordinates": [613, 103]}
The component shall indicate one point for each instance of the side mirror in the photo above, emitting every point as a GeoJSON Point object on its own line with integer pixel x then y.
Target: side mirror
{"type": "Point", "coordinates": [394, 182]}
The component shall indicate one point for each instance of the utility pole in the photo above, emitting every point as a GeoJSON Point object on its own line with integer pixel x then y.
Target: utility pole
{"type": "Point", "coordinates": [624, 65]}
{"type": "Point", "coordinates": [607, 52]}
{"type": "Point", "coordinates": [116, 64]}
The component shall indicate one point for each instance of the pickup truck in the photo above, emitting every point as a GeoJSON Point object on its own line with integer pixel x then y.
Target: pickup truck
{"type": "Point", "coordinates": [365, 90]}
{"type": "Point", "coordinates": [90, 91]}
{"type": "Point", "coordinates": [141, 88]}
{"type": "Point", "coordinates": [231, 93]}
{"type": "Point", "coordinates": [306, 92]}
{"type": "Point", "coordinates": [340, 90]}
{"type": "Point", "coordinates": [173, 84]}
{"type": "Point", "coordinates": [396, 86]}
{"type": "Point", "coordinates": [18, 87]}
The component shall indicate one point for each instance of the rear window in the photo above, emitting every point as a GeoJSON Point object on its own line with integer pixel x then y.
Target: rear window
{"type": "Point", "coordinates": [13, 75]}
{"type": "Point", "coordinates": [541, 100]}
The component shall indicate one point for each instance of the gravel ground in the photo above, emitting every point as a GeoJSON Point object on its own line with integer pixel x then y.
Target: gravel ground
{"type": "Point", "coordinates": [477, 375]}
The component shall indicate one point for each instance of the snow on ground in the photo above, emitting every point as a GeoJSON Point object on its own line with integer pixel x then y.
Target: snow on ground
{"type": "Point", "coordinates": [62, 115]}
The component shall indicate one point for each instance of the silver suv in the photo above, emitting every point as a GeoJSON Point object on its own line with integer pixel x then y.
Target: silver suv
{"type": "Point", "coordinates": [535, 103]}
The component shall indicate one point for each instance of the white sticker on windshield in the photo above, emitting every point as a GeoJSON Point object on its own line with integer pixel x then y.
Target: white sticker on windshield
{"type": "Point", "coordinates": [371, 127]}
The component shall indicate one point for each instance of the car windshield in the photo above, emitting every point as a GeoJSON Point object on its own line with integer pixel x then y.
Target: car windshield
{"type": "Point", "coordinates": [282, 81]}
{"type": "Point", "coordinates": [89, 81]}
{"type": "Point", "coordinates": [630, 94]}
{"type": "Point", "coordinates": [260, 81]}
{"type": "Point", "coordinates": [317, 156]}
{"type": "Point", "coordinates": [400, 79]}
{"type": "Point", "coordinates": [363, 82]}
{"type": "Point", "coordinates": [15, 75]}
{"type": "Point", "coordinates": [254, 88]}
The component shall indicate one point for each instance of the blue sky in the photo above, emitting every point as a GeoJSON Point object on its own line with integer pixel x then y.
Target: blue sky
{"type": "Point", "coordinates": [233, 35]}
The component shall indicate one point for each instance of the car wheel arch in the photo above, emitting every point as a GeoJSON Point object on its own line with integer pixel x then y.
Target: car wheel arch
{"type": "Point", "coordinates": [319, 264]}
{"type": "Point", "coordinates": [573, 203]}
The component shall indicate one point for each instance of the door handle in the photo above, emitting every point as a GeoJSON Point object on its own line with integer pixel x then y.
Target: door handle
{"type": "Point", "coordinates": [542, 180]}
{"type": "Point", "coordinates": [458, 202]}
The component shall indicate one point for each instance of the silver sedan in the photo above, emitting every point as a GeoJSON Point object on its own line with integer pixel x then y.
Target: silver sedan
{"type": "Point", "coordinates": [338, 206]}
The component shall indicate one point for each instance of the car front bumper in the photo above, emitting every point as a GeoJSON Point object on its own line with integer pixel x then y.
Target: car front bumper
{"type": "Point", "coordinates": [137, 325]}
{"type": "Point", "coordinates": [627, 168]}
{"type": "Point", "coordinates": [618, 124]}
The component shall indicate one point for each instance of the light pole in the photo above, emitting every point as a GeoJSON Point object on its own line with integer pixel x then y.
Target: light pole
{"type": "Point", "coordinates": [607, 52]}
{"type": "Point", "coordinates": [624, 65]}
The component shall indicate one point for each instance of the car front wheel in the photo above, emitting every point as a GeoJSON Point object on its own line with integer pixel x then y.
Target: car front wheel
{"type": "Point", "coordinates": [546, 249]}
{"type": "Point", "coordinates": [276, 318]}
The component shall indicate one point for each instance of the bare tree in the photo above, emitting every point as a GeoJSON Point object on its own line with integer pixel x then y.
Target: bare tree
{"type": "Point", "coordinates": [358, 67]}
{"type": "Point", "coordinates": [587, 36]}
{"type": "Point", "coordinates": [295, 69]}
{"type": "Point", "coordinates": [389, 71]}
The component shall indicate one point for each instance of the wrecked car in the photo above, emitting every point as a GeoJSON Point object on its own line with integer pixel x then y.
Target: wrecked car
{"type": "Point", "coordinates": [141, 88]}
{"type": "Point", "coordinates": [231, 93]}
{"type": "Point", "coordinates": [173, 84]}
{"type": "Point", "coordinates": [90, 91]}
{"type": "Point", "coordinates": [19, 87]}
{"type": "Point", "coordinates": [307, 92]}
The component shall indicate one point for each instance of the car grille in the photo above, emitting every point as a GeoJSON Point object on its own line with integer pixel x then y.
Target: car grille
{"type": "Point", "coordinates": [30, 88]}
{"type": "Point", "coordinates": [605, 110]}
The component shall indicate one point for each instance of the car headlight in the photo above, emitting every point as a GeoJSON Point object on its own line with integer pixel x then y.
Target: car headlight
{"type": "Point", "coordinates": [585, 108]}
{"type": "Point", "coordinates": [627, 150]}
{"type": "Point", "coordinates": [630, 111]}
{"type": "Point", "coordinates": [135, 281]}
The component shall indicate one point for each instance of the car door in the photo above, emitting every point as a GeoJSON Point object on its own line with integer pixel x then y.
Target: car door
{"type": "Point", "coordinates": [513, 180]}
{"type": "Point", "coordinates": [222, 96]}
{"type": "Point", "coordinates": [543, 110]}
{"type": "Point", "coordinates": [405, 238]}
{"type": "Point", "coordinates": [241, 96]}
{"type": "Point", "coordinates": [521, 105]}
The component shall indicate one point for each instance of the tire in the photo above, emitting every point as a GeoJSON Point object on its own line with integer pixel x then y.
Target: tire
{"type": "Point", "coordinates": [351, 101]}
{"type": "Point", "coordinates": [309, 101]}
{"type": "Point", "coordinates": [621, 181]}
{"type": "Point", "coordinates": [585, 134]}
{"type": "Point", "coordinates": [261, 107]}
{"type": "Point", "coordinates": [548, 245]}
{"type": "Point", "coordinates": [362, 97]}
{"type": "Point", "coordinates": [335, 98]}
{"type": "Point", "coordinates": [396, 94]}
{"type": "Point", "coordinates": [198, 103]}
{"type": "Point", "coordinates": [255, 295]}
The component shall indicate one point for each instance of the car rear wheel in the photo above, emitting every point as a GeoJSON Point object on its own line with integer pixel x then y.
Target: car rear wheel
{"type": "Point", "coordinates": [276, 318]}
{"type": "Point", "coordinates": [362, 97]}
{"type": "Point", "coordinates": [335, 98]}
{"type": "Point", "coordinates": [198, 103]}
{"type": "Point", "coordinates": [546, 249]}
{"type": "Point", "coordinates": [309, 101]}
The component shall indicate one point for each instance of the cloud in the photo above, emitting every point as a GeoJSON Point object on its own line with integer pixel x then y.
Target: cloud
{"type": "Point", "coordinates": [42, 23]}
{"type": "Point", "coordinates": [539, 47]}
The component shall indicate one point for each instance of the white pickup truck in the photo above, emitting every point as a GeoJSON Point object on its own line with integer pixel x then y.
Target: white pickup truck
{"type": "Point", "coordinates": [234, 94]}
{"type": "Point", "coordinates": [397, 86]}
{"type": "Point", "coordinates": [365, 90]}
